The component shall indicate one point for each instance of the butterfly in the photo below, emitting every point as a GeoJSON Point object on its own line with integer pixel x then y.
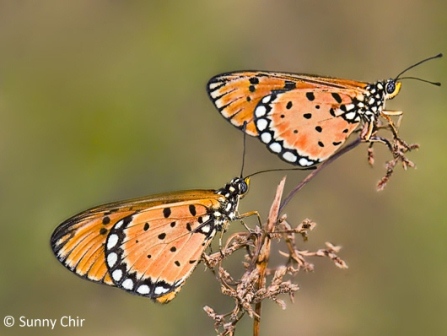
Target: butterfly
{"type": "Point", "coordinates": [305, 119]}
{"type": "Point", "coordinates": [147, 246]}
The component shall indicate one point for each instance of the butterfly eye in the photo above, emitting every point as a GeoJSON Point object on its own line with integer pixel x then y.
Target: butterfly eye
{"type": "Point", "coordinates": [243, 187]}
{"type": "Point", "coordinates": [390, 86]}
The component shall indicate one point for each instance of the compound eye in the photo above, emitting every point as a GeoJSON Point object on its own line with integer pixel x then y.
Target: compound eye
{"type": "Point", "coordinates": [243, 187]}
{"type": "Point", "coordinates": [390, 87]}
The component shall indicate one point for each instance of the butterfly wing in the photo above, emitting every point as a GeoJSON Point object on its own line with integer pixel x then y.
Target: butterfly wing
{"type": "Point", "coordinates": [79, 242]}
{"type": "Point", "coordinates": [302, 118]}
{"type": "Point", "coordinates": [306, 127]}
{"type": "Point", "coordinates": [147, 246]}
{"type": "Point", "coordinates": [236, 94]}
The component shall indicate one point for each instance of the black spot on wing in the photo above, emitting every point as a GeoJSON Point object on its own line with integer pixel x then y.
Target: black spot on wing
{"type": "Point", "coordinates": [166, 212]}
{"type": "Point", "coordinates": [310, 96]}
{"type": "Point", "coordinates": [337, 97]}
{"type": "Point", "coordinates": [192, 209]}
{"type": "Point", "coordinates": [289, 85]}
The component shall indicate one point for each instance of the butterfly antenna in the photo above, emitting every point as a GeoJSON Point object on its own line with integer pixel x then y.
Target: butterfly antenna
{"type": "Point", "coordinates": [422, 80]}
{"type": "Point", "coordinates": [244, 148]}
{"type": "Point", "coordinates": [280, 169]}
{"type": "Point", "coordinates": [418, 63]}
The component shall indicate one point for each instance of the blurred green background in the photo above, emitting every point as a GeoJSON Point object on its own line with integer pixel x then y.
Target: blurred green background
{"type": "Point", "coordinates": [106, 100]}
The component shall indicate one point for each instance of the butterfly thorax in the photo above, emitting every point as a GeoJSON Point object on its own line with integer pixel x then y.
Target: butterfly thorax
{"type": "Point", "coordinates": [232, 193]}
{"type": "Point", "coordinates": [370, 105]}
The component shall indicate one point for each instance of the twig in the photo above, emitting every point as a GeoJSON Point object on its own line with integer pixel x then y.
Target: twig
{"type": "Point", "coordinates": [260, 281]}
{"type": "Point", "coordinates": [264, 254]}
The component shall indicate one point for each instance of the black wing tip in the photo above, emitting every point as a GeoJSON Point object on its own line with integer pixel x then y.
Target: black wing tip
{"type": "Point", "coordinates": [214, 80]}
{"type": "Point", "coordinates": [222, 78]}
{"type": "Point", "coordinates": [62, 230]}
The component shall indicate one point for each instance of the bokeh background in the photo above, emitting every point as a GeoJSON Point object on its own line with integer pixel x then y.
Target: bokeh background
{"type": "Point", "coordinates": [106, 100]}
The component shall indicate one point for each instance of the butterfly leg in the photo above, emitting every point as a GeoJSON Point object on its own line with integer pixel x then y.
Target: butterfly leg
{"type": "Point", "coordinates": [400, 142]}
{"type": "Point", "coordinates": [367, 131]}
{"type": "Point", "coordinates": [366, 134]}
{"type": "Point", "coordinates": [385, 141]}
{"type": "Point", "coordinates": [387, 114]}
{"type": "Point", "coordinates": [372, 140]}
{"type": "Point", "coordinates": [249, 214]}
{"type": "Point", "coordinates": [241, 217]}
{"type": "Point", "coordinates": [397, 148]}
{"type": "Point", "coordinates": [371, 154]}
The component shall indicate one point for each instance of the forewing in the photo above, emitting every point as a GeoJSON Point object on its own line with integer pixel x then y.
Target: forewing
{"type": "Point", "coordinates": [237, 94]}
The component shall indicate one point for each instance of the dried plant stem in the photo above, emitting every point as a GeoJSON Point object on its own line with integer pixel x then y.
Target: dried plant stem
{"type": "Point", "coordinates": [261, 281]}
{"type": "Point", "coordinates": [264, 254]}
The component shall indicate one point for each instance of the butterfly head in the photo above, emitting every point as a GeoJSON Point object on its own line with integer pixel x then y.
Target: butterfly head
{"type": "Point", "coordinates": [391, 88]}
{"type": "Point", "coordinates": [233, 192]}
{"type": "Point", "coordinates": [237, 187]}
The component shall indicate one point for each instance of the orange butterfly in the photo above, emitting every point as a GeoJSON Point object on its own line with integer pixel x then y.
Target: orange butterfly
{"type": "Point", "coordinates": [304, 119]}
{"type": "Point", "coordinates": [147, 246]}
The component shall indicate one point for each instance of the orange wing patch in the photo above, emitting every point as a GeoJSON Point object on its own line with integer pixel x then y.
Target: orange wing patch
{"type": "Point", "coordinates": [154, 251]}
{"type": "Point", "coordinates": [305, 127]}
